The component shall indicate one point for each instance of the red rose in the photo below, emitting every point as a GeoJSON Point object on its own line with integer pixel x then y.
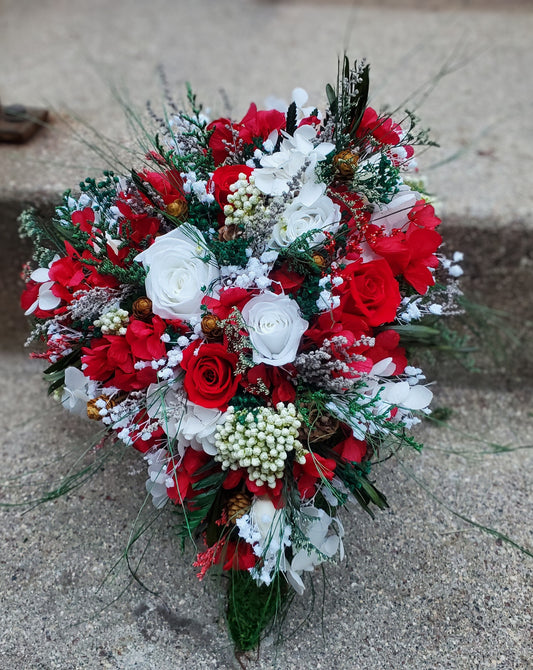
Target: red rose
{"type": "Point", "coordinates": [223, 177]}
{"type": "Point", "coordinates": [369, 290]}
{"type": "Point", "coordinates": [210, 379]}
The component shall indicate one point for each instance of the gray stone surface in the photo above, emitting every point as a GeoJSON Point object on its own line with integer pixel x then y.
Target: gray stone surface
{"type": "Point", "coordinates": [419, 588]}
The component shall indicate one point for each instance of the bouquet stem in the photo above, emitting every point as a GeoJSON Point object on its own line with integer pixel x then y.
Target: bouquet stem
{"type": "Point", "coordinates": [252, 608]}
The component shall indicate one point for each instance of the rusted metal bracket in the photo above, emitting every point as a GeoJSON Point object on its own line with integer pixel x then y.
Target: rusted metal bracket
{"type": "Point", "coordinates": [18, 123]}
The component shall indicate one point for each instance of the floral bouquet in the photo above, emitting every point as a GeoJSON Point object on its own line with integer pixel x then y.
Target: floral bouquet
{"type": "Point", "coordinates": [239, 309]}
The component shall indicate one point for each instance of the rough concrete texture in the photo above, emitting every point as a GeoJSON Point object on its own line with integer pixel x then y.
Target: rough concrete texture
{"type": "Point", "coordinates": [420, 588]}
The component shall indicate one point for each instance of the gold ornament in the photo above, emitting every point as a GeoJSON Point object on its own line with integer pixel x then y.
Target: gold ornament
{"type": "Point", "coordinates": [178, 209]}
{"type": "Point", "coordinates": [345, 162]}
{"type": "Point", "coordinates": [238, 505]}
{"type": "Point", "coordinates": [319, 260]}
{"type": "Point", "coordinates": [142, 308]}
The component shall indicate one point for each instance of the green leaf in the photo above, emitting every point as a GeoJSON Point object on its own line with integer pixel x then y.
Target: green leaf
{"type": "Point", "coordinates": [291, 119]}
{"type": "Point", "coordinates": [332, 98]}
{"type": "Point", "coordinates": [359, 103]}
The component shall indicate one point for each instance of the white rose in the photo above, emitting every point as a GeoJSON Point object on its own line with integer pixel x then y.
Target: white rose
{"type": "Point", "coordinates": [180, 271]}
{"type": "Point", "coordinates": [275, 327]}
{"type": "Point", "coordinates": [302, 217]}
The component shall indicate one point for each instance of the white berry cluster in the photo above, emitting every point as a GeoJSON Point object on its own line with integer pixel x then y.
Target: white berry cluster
{"type": "Point", "coordinates": [243, 200]}
{"type": "Point", "coordinates": [259, 441]}
{"type": "Point", "coordinates": [113, 322]}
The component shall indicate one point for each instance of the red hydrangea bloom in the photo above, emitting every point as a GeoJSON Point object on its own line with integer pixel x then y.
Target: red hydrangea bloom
{"type": "Point", "coordinates": [235, 477]}
{"type": "Point", "coordinates": [84, 219]}
{"type": "Point", "coordinates": [145, 338]}
{"type": "Point", "coordinates": [285, 280]}
{"type": "Point", "coordinates": [423, 215]}
{"type": "Point", "coordinates": [185, 475]}
{"type": "Point", "coordinates": [169, 185]}
{"type": "Point", "coordinates": [136, 228]}
{"type": "Point", "coordinates": [141, 421]}
{"type": "Point", "coordinates": [351, 449]}
{"type": "Point", "coordinates": [228, 299]}
{"type": "Point", "coordinates": [28, 298]}
{"type": "Point", "coordinates": [382, 128]}
{"type": "Point", "coordinates": [254, 125]}
{"type": "Point", "coordinates": [422, 244]}
{"type": "Point", "coordinates": [274, 378]}
{"type": "Point", "coordinates": [387, 345]}
{"type": "Point", "coordinates": [112, 358]}
{"type": "Point", "coordinates": [309, 473]}
{"type": "Point", "coordinates": [335, 323]}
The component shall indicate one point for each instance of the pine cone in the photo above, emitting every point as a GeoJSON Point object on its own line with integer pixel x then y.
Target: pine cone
{"type": "Point", "coordinates": [142, 308]}
{"type": "Point", "coordinates": [211, 327]}
{"type": "Point", "coordinates": [227, 233]}
{"type": "Point", "coordinates": [319, 260]}
{"type": "Point", "coordinates": [321, 428]}
{"type": "Point", "coordinates": [238, 505]}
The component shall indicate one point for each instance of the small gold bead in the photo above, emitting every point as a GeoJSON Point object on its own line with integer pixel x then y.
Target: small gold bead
{"type": "Point", "coordinates": [319, 260]}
